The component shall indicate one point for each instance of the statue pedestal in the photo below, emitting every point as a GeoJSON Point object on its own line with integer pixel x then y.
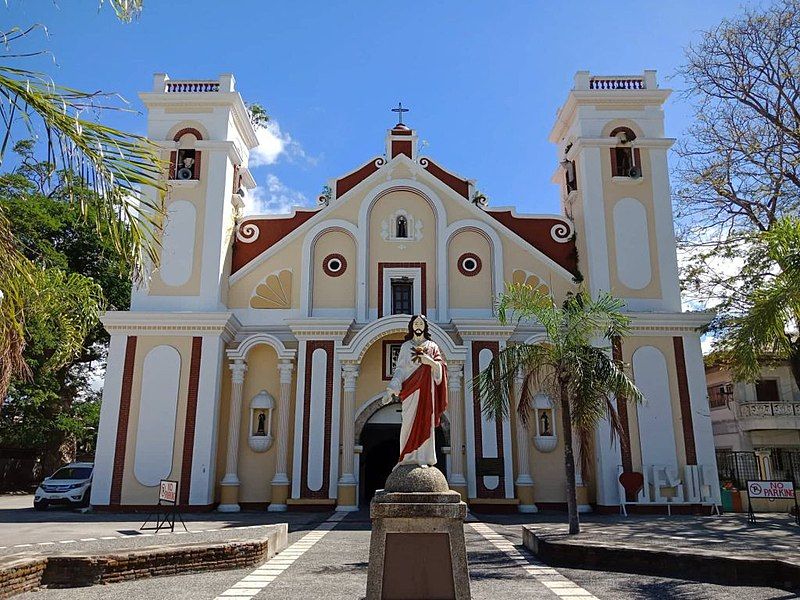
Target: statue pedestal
{"type": "Point", "coordinates": [417, 549]}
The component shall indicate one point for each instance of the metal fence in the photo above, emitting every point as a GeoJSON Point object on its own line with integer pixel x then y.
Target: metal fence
{"type": "Point", "coordinates": [770, 464]}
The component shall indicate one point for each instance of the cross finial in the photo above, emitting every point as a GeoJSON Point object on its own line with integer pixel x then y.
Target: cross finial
{"type": "Point", "coordinates": [400, 110]}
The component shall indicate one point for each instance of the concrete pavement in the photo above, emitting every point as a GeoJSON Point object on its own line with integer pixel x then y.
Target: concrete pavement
{"type": "Point", "coordinates": [335, 567]}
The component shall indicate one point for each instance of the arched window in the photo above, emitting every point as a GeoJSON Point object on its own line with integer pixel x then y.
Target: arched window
{"type": "Point", "coordinates": [625, 161]}
{"type": "Point", "coordinates": [402, 227]}
{"type": "Point", "coordinates": [185, 162]}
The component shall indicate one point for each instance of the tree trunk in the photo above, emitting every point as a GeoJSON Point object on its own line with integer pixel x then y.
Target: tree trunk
{"type": "Point", "coordinates": [569, 460]}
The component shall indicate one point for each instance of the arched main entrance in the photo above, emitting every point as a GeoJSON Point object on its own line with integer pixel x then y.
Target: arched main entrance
{"type": "Point", "coordinates": [380, 443]}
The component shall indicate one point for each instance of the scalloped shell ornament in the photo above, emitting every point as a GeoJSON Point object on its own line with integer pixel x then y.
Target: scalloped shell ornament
{"type": "Point", "coordinates": [520, 276]}
{"type": "Point", "coordinates": [274, 291]}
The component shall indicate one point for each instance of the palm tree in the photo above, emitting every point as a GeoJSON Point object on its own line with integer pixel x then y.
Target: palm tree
{"type": "Point", "coordinates": [768, 325]}
{"type": "Point", "coordinates": [569, 365]}
{"type": "Point", "coordinates": [85, 154]}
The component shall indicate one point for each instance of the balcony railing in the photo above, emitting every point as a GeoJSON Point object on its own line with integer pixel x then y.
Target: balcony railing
{"type": "Point", "coordinates": [617, 83]}
{"type": "Point", "coordinates": [191, 86]}
{"type": "Point", "coordinates": [749, 410]}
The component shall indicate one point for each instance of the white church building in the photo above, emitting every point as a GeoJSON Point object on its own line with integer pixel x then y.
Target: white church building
{"type": "Point", "coordinates": [252, 367]}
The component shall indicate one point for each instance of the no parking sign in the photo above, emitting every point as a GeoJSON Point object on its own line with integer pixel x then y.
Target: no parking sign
{"type": "Point", "coordinates": [771, 490]}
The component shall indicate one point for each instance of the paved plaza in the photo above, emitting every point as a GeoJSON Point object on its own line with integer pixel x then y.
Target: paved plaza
{"type": "Point", "coordinates": [327, 557]}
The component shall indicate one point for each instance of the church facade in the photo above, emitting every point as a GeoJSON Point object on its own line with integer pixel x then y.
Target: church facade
{"type": "Point", "coordinates": [252, 368]}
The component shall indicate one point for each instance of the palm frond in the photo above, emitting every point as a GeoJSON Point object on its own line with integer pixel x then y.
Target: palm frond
{"type": "Point", "coordinates": [495, 385]}
{"type": "Point", "coordinates": [113, 164]}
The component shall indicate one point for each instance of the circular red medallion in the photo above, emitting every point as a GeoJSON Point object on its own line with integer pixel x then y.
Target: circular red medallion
{"type": "Point", "coordinates": [334, 265]}
{"type": "Point", "coordinates": [469, 264]}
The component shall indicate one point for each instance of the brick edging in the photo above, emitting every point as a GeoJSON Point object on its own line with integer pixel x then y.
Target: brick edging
{"type": "Point", "coordinates": [708, 567]}
{"type": "Point", "coordinates": [78, 570]}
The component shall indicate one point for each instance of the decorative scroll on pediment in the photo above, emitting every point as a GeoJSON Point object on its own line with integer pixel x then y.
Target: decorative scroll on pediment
{"type": "Point", "coordinates": [274, 291]}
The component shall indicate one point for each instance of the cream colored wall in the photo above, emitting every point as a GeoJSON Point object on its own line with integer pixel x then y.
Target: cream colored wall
{"type": "Point", "coordinates": [134, 492]}
{"type": "Point", "coordinates": [195, 193]}
{"type": "Point", "coordinates": [423, 250]}
{"type": "Point", "coordinates": [515, 257]}
{"type": "Point", "coordinates": [334, 292]}
{"type": "Point", "coordinates": [642, 191]}
{"type": "Point", "coordinates": [255, 469]}
{"type": "Point", "coordinates": [288, 257]}
{"type": "Point", "coordinates": [665, 345]}
{"type": "Point", "coordinates": [474, 291]}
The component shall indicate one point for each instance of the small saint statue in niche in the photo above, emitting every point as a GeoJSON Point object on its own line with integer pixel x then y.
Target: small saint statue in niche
{"type": "Point", "coordinates": [402, 227]}
{"type": "Point", "coordinates": [544, 423]}
{"type": "Point", "coordinates": [261, 419]}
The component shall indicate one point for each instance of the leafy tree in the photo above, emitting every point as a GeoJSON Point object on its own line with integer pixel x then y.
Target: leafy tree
{"type": "Point", "coordinates": [76, 271]}
{"type": "Point", "coordinates": [86, 156]}
{"type": "Point", "coordinates": [739, 170]}
{"type": "Point", "coordinates": [568, 365]}
{"type": "Point", "coordinates": [767, 329]}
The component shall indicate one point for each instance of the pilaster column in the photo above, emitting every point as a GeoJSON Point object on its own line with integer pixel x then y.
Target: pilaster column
{"type": "Point", "coordinates": [280, 483]}
{"type": "Point", "coordinates": [455, 409]}
{"type": "Point", "coordinates": [524, 482]}
{"type": "Point", "coordinates": [229, 501]}
{"type": "Point", "coordinates": [347, 500]}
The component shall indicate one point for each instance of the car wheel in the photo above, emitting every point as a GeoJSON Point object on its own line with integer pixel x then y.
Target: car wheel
{"type": "Point", "coordinates": [87, 496]}
{"type": "Point", "coordinates": [42, 505]}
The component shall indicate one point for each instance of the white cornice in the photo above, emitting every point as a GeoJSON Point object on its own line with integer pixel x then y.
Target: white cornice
{"type": "Point", "coordinates": [332, 329]}
{"type": "Point", "coordinates": [604, 99]}
{"type": "Point", "coordinates": [611, 142]}
{"type": "Point", "coordinates": [229, 99]}
{"type": "Point", "coordinates": [649, 323]}
{"type": "Point", "coordinates": [483, 329]}
{"type": "Point", "coordinates": [224, 324]}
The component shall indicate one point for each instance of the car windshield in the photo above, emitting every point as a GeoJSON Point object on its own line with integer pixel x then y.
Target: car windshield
{"type": "Point", "coordinates": [72, 473]}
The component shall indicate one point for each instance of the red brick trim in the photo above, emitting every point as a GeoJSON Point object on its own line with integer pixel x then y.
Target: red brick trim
{"type": "Point", "coordinates": [464, 271]}
{"type": "Point", "coordinates": [122, 421]}
{"type": "Point", "coordinates": [327, 270]}
{"type": "Point", "coordinates": [401, 147]}
{"type": "Point", "coordinates": [305, 491]}
{"type": "Point", "coordinates": [685, 401]}
{"type": "Point", "coordinates": [622, 411]}
{"type": "Point", "coordinates": [403, 265]}
{"type": "Point", "coordinates": [385, 355]}
{"type": "Point", "coordinates": [197, 163]}
{"type": "Point", "coordinates": [348, 182]}
{"type": "Point", "coordinates": [186, 130]}
{"type": "Point", "coordinates": [483, 491]}
{"type": "Point", "coordinates": [191, 420]}
{"type": "Point", "coordinates": [173, 161]}
{"type": "Point", "coordinates": [458, 185]}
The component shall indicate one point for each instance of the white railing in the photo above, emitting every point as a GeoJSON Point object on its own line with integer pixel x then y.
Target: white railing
{"type": "Point", "coordinates": [191, 86]}
{"type": "Point", "coordinates": [749, 410]}
{"type": "Point", "coordinates": [616, 82]}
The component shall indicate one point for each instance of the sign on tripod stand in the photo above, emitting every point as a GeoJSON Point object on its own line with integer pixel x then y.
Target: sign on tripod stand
{"type": "Point", "coordinates": [167, 508]}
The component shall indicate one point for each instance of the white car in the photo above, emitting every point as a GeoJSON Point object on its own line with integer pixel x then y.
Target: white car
{"type": "Point", "coordinates": [70, 485]}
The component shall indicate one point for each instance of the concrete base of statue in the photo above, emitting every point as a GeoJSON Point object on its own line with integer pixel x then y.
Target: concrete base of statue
{"type": "Point", "coordinates": [417, 548]}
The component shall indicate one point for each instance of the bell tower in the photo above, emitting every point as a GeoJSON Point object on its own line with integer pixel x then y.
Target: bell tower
{"type": "Point", "coordinates": [614, 181]}
{"type": "Point", "coordinates": [206, 135]}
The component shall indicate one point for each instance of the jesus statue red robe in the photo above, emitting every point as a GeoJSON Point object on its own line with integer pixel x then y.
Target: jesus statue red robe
{"type": "Point", "coordinates": [420, 380]}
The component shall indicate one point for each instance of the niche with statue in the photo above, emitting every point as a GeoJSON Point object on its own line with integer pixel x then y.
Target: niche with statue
{"type": "Point", "coordinates": [545, 438]}
{"type": "Point", "coordinates": [261, 407]}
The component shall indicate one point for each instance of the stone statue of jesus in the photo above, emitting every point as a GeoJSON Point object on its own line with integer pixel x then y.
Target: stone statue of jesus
{"type": "Point", "coordinates": [420, 381]}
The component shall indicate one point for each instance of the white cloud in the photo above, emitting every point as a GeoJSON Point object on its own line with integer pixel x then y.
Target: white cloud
{"type": "Point", "coordinates": [273, 198]}
{"type": "Point", "coordinates": [274, 143]}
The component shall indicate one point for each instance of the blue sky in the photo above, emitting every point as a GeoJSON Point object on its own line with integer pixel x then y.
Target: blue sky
{"type": "Point", "coordinates": [483, 79]}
